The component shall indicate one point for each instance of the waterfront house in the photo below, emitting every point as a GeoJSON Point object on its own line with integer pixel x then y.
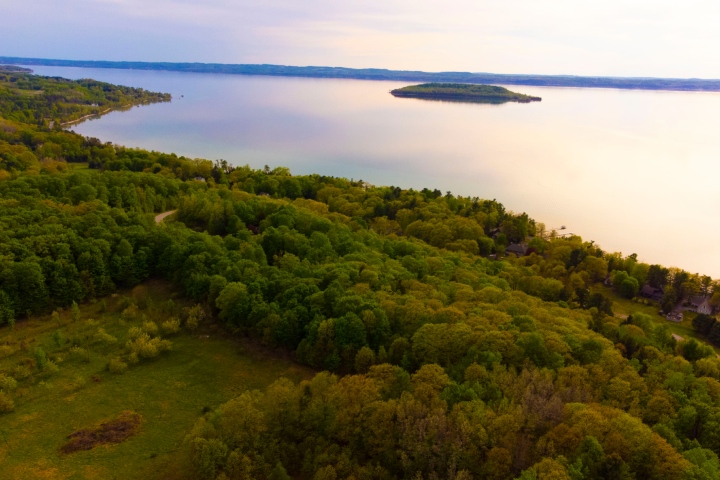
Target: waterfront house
{"type": "Point", "coordinates": [518, 249]}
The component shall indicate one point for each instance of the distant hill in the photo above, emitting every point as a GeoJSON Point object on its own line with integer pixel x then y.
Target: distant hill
{"type": "Point", "coordinates": [640, 83]}
{"type": "Point", "coordinates": [14, 68]}
{"type": "Point", "coordinates": [463, 92]}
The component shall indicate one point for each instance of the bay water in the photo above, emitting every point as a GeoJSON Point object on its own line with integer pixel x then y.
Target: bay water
{"type": "Point", "coordinates": [636, 171]}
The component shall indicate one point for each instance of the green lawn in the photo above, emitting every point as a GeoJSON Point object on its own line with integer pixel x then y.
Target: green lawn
{"type": "Point", "coordinates": [204, 369]}
{"type": "Point", "coordinates": [624, 306]}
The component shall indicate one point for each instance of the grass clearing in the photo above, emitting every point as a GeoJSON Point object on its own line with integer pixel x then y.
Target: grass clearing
{"type": "Point", "coordinates": [204, 369]}
{"type": "Point", "coordinates": [624, 306]}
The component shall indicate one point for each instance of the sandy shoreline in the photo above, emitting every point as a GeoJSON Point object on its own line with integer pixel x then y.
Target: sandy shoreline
{"type": "Point", "coordinates": [86, 116]}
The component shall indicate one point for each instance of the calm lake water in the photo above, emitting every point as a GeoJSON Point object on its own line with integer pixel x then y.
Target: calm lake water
{"type": "Point", "coordinates": [636, 171]}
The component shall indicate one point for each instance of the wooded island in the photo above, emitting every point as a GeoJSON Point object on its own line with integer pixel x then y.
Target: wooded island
{"type": "Point", "coordinates": [463, 92]}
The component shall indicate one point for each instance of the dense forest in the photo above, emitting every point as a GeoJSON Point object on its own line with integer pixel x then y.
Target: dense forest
{"type": "Point", "coordinates": [27, 98]}
{"type": "Point", "coordinates": [440, 352]}
{"type": "Point", "coordinates": [463, 92]}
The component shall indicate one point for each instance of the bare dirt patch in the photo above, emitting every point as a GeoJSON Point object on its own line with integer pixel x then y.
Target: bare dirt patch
{"type": "Point", "coordinates": [162, 216]}
{"type": "Point", "coordinates": [113, 431]}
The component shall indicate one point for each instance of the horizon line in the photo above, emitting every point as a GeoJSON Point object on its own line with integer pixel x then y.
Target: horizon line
{"type": "Point", "coordinates": [560, 80]}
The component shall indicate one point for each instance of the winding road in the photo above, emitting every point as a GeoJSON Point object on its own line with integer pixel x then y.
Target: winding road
{"type": "Point", "coordinates": [162, 216]}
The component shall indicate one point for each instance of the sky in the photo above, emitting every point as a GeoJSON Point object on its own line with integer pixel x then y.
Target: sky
{"type": "Point", "coordinates": [658, 38]}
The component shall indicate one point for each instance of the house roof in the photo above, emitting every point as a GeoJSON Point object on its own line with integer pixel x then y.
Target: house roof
{"type": "Point", "coordinates": [518, 248]}
{"type": "Point", "coordinates": [698, 300]}
{"type": "Point", "coordinates": [648, 290]}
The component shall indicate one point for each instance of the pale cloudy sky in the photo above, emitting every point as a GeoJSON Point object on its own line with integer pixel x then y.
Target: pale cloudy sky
{"type": "Point", "coordinates": [587, 37]}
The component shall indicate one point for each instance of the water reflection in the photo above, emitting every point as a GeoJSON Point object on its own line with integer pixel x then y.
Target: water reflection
{"type": "Point", "coordinates": [634, 170]}
{"type": "Point", "coordinates": [482, 101]}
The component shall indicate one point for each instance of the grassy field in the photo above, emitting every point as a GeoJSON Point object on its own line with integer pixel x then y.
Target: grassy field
{"type": "Point", "coordinates": [205, 368]}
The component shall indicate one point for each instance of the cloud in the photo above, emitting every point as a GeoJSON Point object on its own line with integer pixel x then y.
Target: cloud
{"type": "Point", "coordinates": [610, 37]}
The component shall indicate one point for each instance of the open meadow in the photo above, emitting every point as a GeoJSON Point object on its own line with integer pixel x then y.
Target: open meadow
{"type": "Point", "coordinates": [75, 390]}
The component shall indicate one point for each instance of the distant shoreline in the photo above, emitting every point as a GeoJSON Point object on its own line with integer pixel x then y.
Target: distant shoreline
{"type": "Point", "coordinates": [5, 68]}
{"type": "Point", "coordinates": [85, 117]}
{"type": "Point", "coordinates": [628, 83]}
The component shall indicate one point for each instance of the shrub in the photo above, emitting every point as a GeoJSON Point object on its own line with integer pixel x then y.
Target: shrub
{"type": "Point", "coordinates": [77, 351]}
{"type": "Point", "coordinates": [195, 315]}
{"type": "Point", "coordinates": [6, 403]}
{"type": "Point", "coordinates": [146, 347]}
{"type": "Point", "coordinates": [51, 367]}
{"type": "Point", "coordinates": [41, 360]}
{"type": "Point", "coordinates": [192, 323]}
{"type": "Point", "coordinates": [134, 332]}
{"type": "Point", "coordinates": [171, 326]}
{"type": "Point", "coordinates": [58, 338]}
{"type": "Point", "coordinates": [78, 382]}
{"type": "Point", "coordinates": [150, 328]}
{"type": "Point", "coordinates": [22, 371]}
{"type": "Point", "coordinates": [125, 302]}
{"type": "Point", "coordinates": [75, 311]}
{"type": "Point", "coordinates": [130, 313]}
{"type": "Point", "coordinates": [104, 337]}
{"type": "Point", "coordinates": [7, 384]}
{"type": "Point", "coordinates": [115, 365]}
{"type": "Point", "coordinates": [80, 353]}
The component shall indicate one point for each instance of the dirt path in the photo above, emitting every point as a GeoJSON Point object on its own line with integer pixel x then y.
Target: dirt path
{"type": "Point", "coordinates": [161, 217]}
{"type": "Point", "coordinates": [677, 337]}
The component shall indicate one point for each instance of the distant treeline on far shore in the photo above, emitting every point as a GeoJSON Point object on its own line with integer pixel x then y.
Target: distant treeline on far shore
{"type": "Point", "coordinates": [639, 83]}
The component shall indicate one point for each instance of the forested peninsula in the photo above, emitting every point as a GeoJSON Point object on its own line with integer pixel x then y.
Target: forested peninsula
{"type": "Point", "coordinates": [635, 83]}
{"type": "Point", "coordinates": [14, 68]}
{"type": "Point", "coordinates": [279, 326]}
{"type": "Point", "coordinates": [39, 101]}
{"type": "Point", "coordinates": [461, 92]}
